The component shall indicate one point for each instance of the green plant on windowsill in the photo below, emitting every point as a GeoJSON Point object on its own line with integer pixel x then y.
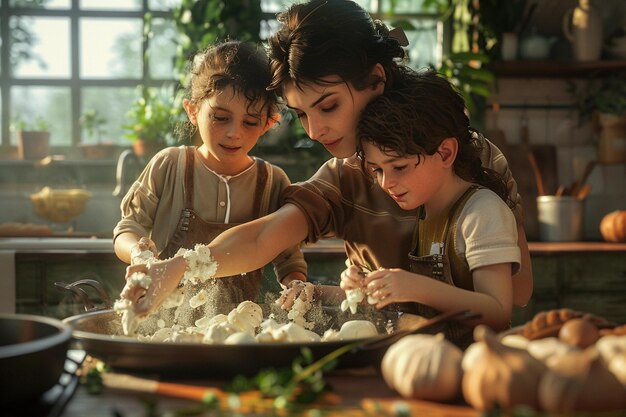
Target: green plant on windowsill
{"type": "Point", "coordinates": [94, 147]}
{"type": "Point", "coordinates": [33, 137]}
{"type": "Point", "coordinates": [38, 124]}
{"type": "Point", "coordinates": [93, 123]}
{"type": "Point", "coordinates": [150, 122]}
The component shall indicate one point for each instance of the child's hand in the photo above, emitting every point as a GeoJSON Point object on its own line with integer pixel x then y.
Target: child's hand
{"type": "Point", "coordinates": [389, 286]}
{"type": "Point", "coordinates": [165, 277]}
{"type": "Point", "coordinates": [295, 289]}
{"type": "Point", "coordinates": [352, 278]}
{"type": "Point", "coordinates": [143, 251]}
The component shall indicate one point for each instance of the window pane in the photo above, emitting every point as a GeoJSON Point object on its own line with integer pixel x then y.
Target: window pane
{"type": "Point", "coordinates": [110, 48]}
{"type": "Point", "coordinates": [162, 48]}
{"type": "Point", "coordinates": [50, 103]}
{"type": "Point", "coordinates": [275, 6]}
{"type": "Point", "coordinates": [111, 4]}
{"type": "Point", "coordinates": [409, 6]}
{"type": "Point", "coordinates": [40, 47]}
{"type": "Point", "coordinates": [424, 42]}
{"type": "Point", "coordinates": [42, 4]}
{"type": "Point", "coordinates": [163, 4]}
{"type": "Point", "coordinates": [112, 104]}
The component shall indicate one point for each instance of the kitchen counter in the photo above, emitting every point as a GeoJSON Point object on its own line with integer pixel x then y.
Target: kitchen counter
{"type": "Point", "coordinates": [355, 393]}
{"type": "Point", "coordinates": [323, 247]}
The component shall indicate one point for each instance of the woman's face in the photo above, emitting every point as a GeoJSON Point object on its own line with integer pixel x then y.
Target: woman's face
{"type": "Point", "coordinates": [330, 113]}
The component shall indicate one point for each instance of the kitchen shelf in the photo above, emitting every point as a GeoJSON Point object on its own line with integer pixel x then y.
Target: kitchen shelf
{"type": "Point", "coordinates": [555, 69]}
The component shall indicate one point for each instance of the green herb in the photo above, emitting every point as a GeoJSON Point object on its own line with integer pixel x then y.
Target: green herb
{"type": "Point", "coordinates": [303, 383]}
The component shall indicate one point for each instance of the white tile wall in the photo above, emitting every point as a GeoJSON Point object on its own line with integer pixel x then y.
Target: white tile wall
{"type": "Point", "coordinates": [559, 126]}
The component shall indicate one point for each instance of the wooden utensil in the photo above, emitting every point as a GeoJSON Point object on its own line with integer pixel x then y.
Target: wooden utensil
{"type": "Point", "coordinates": [583, 192]}
{"type": "Point", "coordinates": [576, 187]}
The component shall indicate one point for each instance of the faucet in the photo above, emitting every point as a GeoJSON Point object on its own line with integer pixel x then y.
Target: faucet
{"type": "Point", "coordinates": [128, 168]}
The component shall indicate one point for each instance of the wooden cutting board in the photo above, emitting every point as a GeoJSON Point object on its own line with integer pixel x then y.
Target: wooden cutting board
{"type": "Point", "coordinates": [522, 171]}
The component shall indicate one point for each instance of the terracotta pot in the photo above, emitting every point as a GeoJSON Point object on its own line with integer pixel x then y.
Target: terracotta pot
{"type": "Point", "coordinates": [32, 144]}
{"type": "Point", "coordinates": [146, 149]}
{"type": "Point", "coordinates": [99, 151]}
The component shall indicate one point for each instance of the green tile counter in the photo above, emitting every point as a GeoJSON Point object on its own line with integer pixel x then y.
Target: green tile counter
{"type": "Point", "coordinates": [588, 276]}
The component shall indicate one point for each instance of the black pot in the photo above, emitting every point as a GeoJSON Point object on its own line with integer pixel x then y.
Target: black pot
{"type": "Point", "coordinates": [32, 355]}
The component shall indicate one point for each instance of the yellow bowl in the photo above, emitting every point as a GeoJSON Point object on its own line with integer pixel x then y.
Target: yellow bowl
{"type": "Point", "coordinates": [60, 206]}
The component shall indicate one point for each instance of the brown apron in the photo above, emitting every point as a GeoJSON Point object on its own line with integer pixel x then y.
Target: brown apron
{"type": "Point", "coordinates": [446, 266]}
{"type": "Point", "coordinates": [224, 293]}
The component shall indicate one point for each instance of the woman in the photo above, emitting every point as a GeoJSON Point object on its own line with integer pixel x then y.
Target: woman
{"type": "Point", "coordinates": [329, 60]}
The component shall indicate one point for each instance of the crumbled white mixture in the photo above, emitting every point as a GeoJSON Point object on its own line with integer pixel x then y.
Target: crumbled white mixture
{"type": "Point", "coordinates": [302, 304]}
{"type": "Point", "coordinates": [129, 322]}
{"type": "Point", "coordinates": [354, 297]}
{"type": "Point", "coordinates": [140, 279]}
{"type": "Point", "coordinates": [141, 257]}
{"type": "Point", "coordinates": [244, 324]}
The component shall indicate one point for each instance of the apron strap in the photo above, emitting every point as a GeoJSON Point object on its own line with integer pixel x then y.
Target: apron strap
{"type": "Point", "coordinates": [188, 181]}
{"type": "Point", "coordinates": [262, 178]}
{"type": "Point", "coordinates": [460, 269]}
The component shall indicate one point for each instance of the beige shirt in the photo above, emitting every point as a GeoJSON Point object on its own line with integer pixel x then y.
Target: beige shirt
{"type": "Point", "coordinates": [153, 205]}
{"type": "Point", "coordinates": [341, 201]}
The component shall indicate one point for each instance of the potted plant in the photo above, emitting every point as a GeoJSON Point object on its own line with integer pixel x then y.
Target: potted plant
{"type": "Point", "coordinates": [33, 137]}
{"type": "Point", "coordinates": [150, 123]}
{"type": "Point", "coordinates": [604, 102]}
{"type": "Point", "coordinates": [93, 147]}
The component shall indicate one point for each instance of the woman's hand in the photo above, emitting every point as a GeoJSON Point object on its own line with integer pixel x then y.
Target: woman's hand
{"type": "Point", "coordinates": [390, 286]}
{"type": "Point", "coordinates": [165, 277]}
{"type": "Point", "coordinates": [295, 289]}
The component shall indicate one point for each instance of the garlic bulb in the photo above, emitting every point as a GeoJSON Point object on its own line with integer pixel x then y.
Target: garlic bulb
{"type": "Point", "coordinates": [423, 366]}
{"type": "Point", "coordinates": [545, 349]}
{"type": "Point", "coordinates": [610, 346]}
{"type": "Point", "coordinates": [515, 340]}
{"type": "Point", "coordinates": [580, 381]}
{"type": "Point", "coordinates": [472, 355]}
{"type": "Point", "coordinates": [503, 376]}
{"type": "Point", "coordinates": [618, 367]}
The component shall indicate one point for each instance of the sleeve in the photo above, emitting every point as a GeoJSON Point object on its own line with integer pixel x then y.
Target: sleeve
{"type": "Point", "coordinates": [320, 200]}
{"type": "Point", "coordinates": [139, 205]}
{"type": "Point", "coordinates": [292, 259]}
{"type": "Point", "coordinates": [491, 157]}
{"type": "Point", "coordinates": [489, 232]}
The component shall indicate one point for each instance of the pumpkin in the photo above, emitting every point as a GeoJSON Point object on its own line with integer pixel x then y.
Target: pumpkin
{"type": "Point", "coordinates": [613, 226]}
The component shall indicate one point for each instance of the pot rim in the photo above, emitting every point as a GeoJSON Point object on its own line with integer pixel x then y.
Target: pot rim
{"type": "Point", "coordinates": [63, 334]}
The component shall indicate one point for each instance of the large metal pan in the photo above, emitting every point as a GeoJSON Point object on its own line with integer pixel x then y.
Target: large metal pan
{"type": "Point", "coordinates": [99, 333]}
{"type": "Point", "coordinates": [32, 355]}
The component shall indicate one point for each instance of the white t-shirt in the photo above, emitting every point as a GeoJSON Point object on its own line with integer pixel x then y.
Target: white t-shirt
{"type": "Point", "coordinates": [487, 232]}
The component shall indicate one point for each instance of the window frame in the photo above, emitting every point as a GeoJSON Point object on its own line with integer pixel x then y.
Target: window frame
{"type": "Point", "coordinates": [75, 83]}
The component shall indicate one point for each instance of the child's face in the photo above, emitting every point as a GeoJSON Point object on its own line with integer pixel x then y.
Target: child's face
{"type": "Point", "coordinates": [410, 184]}
{"type": "Point", "coordinates": [329, 113]}
{"type": "Point", "coordinates": [229, 128]}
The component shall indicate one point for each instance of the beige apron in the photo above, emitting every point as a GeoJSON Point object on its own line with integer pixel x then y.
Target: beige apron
{"type": "Point", "coordinates": [446, 266]}
{"type": "Point", "coordinates": [224, 293]}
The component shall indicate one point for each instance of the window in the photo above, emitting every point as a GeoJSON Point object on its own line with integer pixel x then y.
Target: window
{"type": "Point", "coordinates": [61, 58]}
